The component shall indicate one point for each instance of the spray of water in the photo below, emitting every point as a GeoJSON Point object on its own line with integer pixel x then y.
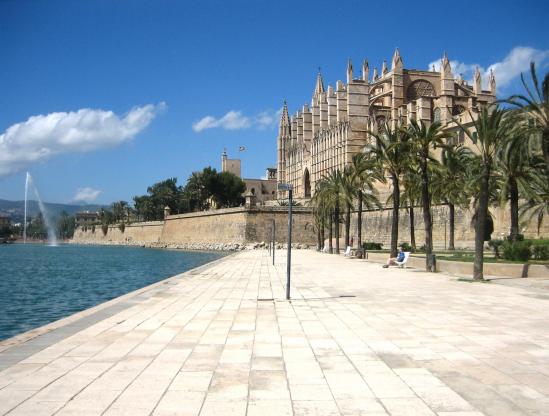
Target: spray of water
{"type": "Point", "coordinates": [52, 239]}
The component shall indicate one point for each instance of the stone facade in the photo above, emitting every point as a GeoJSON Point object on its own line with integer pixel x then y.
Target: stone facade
{"type": "Point", "coordinates": [325, 135]}
{"type": "Point", "coordinates": [263, 189]}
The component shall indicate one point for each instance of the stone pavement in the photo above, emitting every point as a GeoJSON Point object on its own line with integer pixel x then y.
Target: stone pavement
{"type": "Point", "coordinates": [356, 340]}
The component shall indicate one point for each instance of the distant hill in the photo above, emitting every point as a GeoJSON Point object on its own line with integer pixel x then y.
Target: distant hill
{"type": "Point", "coordinates": [16, 209]}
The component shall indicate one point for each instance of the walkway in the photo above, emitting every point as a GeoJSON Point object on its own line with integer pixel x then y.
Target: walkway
{"type": "Point", "coordinates": [356, 340]}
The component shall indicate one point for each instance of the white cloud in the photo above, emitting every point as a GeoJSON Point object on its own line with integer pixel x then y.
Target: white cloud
{"type": "Point", "coordinates": [86, 194]}
{"type": "Point", "coordinates": [517, 61]}
{"type": "Point", "coordinates": [235, 120]}
{"type": "Point", "coordinates": [44, 136]}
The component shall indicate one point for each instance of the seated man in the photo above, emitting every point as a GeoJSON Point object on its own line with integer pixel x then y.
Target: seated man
{"type": "Point", "coordinates": [392, 260]}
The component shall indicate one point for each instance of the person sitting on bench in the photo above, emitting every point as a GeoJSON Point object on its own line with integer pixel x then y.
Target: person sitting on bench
{"type": "Point", "coordinates": [393, 260]}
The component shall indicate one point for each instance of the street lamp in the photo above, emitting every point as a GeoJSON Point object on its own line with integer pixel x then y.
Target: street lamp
{"type": "Point", "coordinates": [290, 189]}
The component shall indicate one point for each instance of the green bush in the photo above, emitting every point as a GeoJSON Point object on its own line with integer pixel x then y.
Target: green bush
{"type": "Point", "coordinates": [371, 246]}
{"type": "Point", "coordinates": [496, 245]}
{"type": "Point", "coordinates": [122, 227]}
{"type": "Point", "coordinates": [519, 250]}
{"type": "Point", "coordinates": [405, 246]}
{"type": "Point", "coordinates": [105, 229]}
{"type": "Point", "coordinates": [540, 251]}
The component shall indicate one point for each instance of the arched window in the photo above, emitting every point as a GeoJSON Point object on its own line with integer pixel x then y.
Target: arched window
{"type": "Point", "coordinates": [420, 88]}
{"type": "Point", "coordinates": [307, 183]}
{"type": "Point", "coordinates": [436, 114]}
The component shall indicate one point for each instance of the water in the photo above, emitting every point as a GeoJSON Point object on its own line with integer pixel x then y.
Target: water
{"type": "Point", "coordinates": [40, 284]}
{"type": "Point", "coordinates": [52, 239]}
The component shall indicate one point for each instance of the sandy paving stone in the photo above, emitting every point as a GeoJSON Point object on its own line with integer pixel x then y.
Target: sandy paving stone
{"type": "Point", "coordinates": [407, 343]}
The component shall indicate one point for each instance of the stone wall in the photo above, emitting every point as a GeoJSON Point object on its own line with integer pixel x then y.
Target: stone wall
{"type": "Point", "coordinates": [376, 226]}
{"type": "Point", "coordinates": [225, 226]}
{"type": "Point", "coordinates": [141, 232]}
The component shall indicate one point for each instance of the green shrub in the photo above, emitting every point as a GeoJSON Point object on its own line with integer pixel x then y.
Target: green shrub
{"type": "Point", "coordinates": [405, 246]}
{"type": "Point", "coordinates": [93, 229]}
{"type": "Point", "coordinates": [540, 251]}
{"type": "Point", "coordinates": [122, 227]}
{"type": "Point", "coordinates": [105, 229]}
{"type": "Point", "coordinates": [496, 245]}
{"type": "Point", "coordinates": [371, 246]}
{"type": "Point", "coordinates": [519, 250]}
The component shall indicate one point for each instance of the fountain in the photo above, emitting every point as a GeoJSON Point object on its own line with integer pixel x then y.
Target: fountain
{"type": "Point", "coordinates": [52, 239]}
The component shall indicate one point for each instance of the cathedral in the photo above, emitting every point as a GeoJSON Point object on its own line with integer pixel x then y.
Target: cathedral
{"type": "Point", "coordinates": [325, 135]}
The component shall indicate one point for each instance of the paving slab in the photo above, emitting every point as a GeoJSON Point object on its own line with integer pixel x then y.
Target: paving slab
{"type": "Point", "coordinates": [355, 339]}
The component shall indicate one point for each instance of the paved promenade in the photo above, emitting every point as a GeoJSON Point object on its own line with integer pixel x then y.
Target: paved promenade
{"type": "Point", "coordinates": [356, 340]}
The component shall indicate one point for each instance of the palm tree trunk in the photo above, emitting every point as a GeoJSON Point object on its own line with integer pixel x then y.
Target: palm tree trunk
{"type": "Point", "coordinates": [482, 214]}
{"type": "Point", "coordinates": [336, 220]}
{"type": "Point", "coordinates": [394, 220]}
{"type": "Point", "coordinates": [322, 233]}
{"type": "Point", "coordinates": [514, 202]}
{"type": "Point", "coordinates": [330, 235]}
{"type": "Point", "coordinates": [452, 218]}
{"type": "Point", "coordinates": [318, 240]}
{"type": "Point", "coordinates": [545, 150]}
{"type": "Point", "coordinates": [412, 227]}
{"type": "Point", "coordinates": [359, 220]}
{"type": "Point", "coordinates": [427, 220]}
{"type": "Point", "coordinates": [347, 225]}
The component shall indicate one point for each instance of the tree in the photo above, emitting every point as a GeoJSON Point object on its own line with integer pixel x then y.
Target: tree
{"type": "Point", "coordinates": [362, 172]}
{"type": "Point", "coordinates": [488, 133]}
{"type": "Point", "coordinates": [119, 210]}
{"type": "Point", "coordinates": [65, 225]}
{"type": "Point", "coordinates": [516, 169]}
{"type": "Point", "coordinates": [391, 152]}
{"type": "Point", "coordinates": [533, 108]}
{"type": "Point", "coordinates": [329, 196]}
{"type": "Point", "coordinates": [425, 137]}
{"type": "Point", "coordinates": [228, 190]}
{"type": "Point", "coordinates": [536, 207]}
{"type": "Point", "coordinates": [451, 183]}
{"type": "Point", "coordinates": [144, 207]}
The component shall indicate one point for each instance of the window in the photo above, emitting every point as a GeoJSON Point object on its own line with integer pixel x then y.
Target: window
{"type": "Point", "coordinates": [436, 114]}
{"type": "Point", "coordinates": [420, 88]}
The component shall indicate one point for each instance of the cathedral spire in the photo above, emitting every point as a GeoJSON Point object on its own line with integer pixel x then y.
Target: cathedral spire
{"type": "Point", "coordinates": [349, 71]}
{"type": "Point", "coordinates": [445, 68]}
{"type": "Point", "coordinates": [477, 81]}
{"type": "Point", "coordinates": [384, 67]}
{"type": "Point", "coordinates": [375, 76]}
{"type": "Point", "coordinates": [284, 128]}
{"type": "Point", "coordinates": [319, 86]}
{"type": "Point", "coordinates": [365, 70]}
{"type": "Point", "coordinates": [397, 60]}
{"type": "Point", "coordinates": [492, 82]}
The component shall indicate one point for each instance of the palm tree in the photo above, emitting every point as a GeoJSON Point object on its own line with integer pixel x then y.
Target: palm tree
{"type": "Point", "coordinates": [335, 197]}
{"type": "Point", "coordinates": [451, 187]}
{"type": "Point", "coordinates": [516, 170]}
{"type": "Point", "coordinates": [489, 132]}
{"type": "Point", "coordinates": [390, 151]}
{"type": "Point", "coordinates": [537, 205]}
{"type": "Point", "coordinates": [321, 210]}
{"type": "Point", "coordinates": [363, 172]}
{"type": "Point", "coordinates": [534, 108]}
{"type": "Point", "coordinates": [411, 195]}
{"type": "Point", "coordinates": [425, 137]}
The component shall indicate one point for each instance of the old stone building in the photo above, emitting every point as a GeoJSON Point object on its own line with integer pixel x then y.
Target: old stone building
{"type": "Point", "coordinates": [325, 135]}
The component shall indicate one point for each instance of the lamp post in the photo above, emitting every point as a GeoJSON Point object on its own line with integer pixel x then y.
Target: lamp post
{"type": "Point", "coordinates": [273, 242]}
{"type": "Point", "coordinates": [289, 188]}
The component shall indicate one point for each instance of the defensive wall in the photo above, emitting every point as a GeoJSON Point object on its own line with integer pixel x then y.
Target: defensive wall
{"type": "Point", "coordinates": [246, 225]}
{"type": "Point", "coordinates": [242, 225]}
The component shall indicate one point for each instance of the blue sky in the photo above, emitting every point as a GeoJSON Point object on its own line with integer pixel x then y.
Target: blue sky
{"type": "Point", "coordinates": [99, 98]}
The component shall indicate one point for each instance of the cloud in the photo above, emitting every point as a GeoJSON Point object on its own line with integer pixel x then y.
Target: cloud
{"type": "Point", "coordinates": [86, 194]}
{"type": "Point", "coordinates": [507, 70]}
{"type": "Point", "coordinates": [235, 120]}
{"type": "Point", "coordinates": [44, 136]}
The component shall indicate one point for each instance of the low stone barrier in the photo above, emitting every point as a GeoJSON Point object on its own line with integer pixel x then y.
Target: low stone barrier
{"type": "Point", "coordinates": [509, 270]}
